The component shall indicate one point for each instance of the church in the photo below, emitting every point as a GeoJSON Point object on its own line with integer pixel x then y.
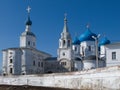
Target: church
{"type": "Point", "coordinates": [81, 53]}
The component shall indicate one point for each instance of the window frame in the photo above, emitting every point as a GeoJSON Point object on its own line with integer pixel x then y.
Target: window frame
{"type": "Point", "coordinates": [11, 60]}
{"type": "Point", "coordinates": [114, 55]}
{"type": "Point", "coordinates": [34, 63]}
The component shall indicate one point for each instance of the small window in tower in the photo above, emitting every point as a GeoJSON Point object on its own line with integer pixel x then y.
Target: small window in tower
{"type": "Point", "coordinates": [63, 54]}
{"type": "Point", "coordinates": [41, 64]}
{"type": "Point", "coordinates": [63, 42]}
{"type": "Point", "coordinates": [38, 64]}
{"type": "Point", "coordinates": [68, 43]}
{"type": "Point", "coordinates": [11, 60]}
{"type": "Point", "coordinates": [63, 63]}
{"type": "Point", "coordinates": [28, 42]}
{"type": "Point", "coordinates": [33, 63]}
{"type": "Point", "coordinates": [11, 70]}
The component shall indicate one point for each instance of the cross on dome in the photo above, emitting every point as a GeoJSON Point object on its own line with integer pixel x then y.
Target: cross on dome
{"type": "Point", "coordinates": [28, 22]}
{"type": "Point", "coordinates": [28, 9]}
{"type": "Point", "coordinates": [65, 14]}
{"type": "Point", "coordinates": [88, 26]}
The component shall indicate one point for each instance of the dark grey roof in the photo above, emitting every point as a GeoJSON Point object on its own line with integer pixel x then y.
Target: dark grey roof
{"type": "Point", "coordinates": [91, 57]}
{"type": "Point", "coordinates": [77, 59]}
{"type": "Point", "coordinates": [51, 59]}
{"type": "Point", "coordinates": [20, 48]}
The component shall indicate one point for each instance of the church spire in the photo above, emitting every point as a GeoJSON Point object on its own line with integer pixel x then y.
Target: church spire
{"type": "Point", "coordinates": [29, 22]}
{"type": "Point", "coordinates": [65, 28]}
{"type": "Point", "coordinates": [65, 33]}
{"type": "Point", "coordinates": [28, 38]}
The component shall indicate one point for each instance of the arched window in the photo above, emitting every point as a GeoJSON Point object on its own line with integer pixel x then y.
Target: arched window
{"type": "Point", "coordinates": [68, 43]}
{"type": "Point", "coordinates": [41, 64]}
{"type": "Point", "coordinates": [63, 54]}
{"type": "Point", "coordinates": [63, 63]}
{"type": "Point", "coordinates": [33, 63]}
{"type": "Point", "coordinates": [75, 48]}
{"type": "Point", "coordinates": [89, 48]}
{"type": "Point", "coordinates": [11, 70]}
{"type": "Point", "coordinates": [28, 42]}
{"type": "Point", "coordinates": [38, 64]}
{"type": "Point", "coordinates": [11, 60]}
{"type": "Point", "coordinates": [63, 42]}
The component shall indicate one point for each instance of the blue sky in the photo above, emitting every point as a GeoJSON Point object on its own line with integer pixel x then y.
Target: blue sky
{"type": "Point", "coordinates": [47, 17]}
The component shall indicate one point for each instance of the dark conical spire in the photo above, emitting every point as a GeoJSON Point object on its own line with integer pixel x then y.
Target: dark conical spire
{"type": "Point", "coordinates": [28, 22]}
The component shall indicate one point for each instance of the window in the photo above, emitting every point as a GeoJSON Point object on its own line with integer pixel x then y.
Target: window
{"type": "Point", "coordinates": [33, 63]}
{"type": "Point", "coordinates": [11, 60]}
{"type": "Point", "coordinates": [11, 70]}
{"type": "Point", "coordinates": [38, 64]}
{"type": "Point", "coordinates": [89, 48]}
{"type": "Point", "coordinates": [63, 42]}
{"type": "Point", "coordinates": [75, 48]}
{"type": "Point", "coordinates": [28, 42]}
{"type": "Point", "coordinates": [63, 63]}
{"type": "Point", "coordinates": [113, 55]}
{"type": "Point", "coordinates": [63, 54]}
{"type": "Point", "coordinates": [41, 64]}
{"type": "Point", "coordinates": [68, 43]}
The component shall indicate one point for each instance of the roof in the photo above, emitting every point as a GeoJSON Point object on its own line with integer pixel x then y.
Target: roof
{"type": "Point", "coordinates": [29, 33]}
{"type": "Point", "coordinates": [51, 59]}
{"type": "Point", "coordinates": [27, 49]}
{"type": "Point", "coordinates": [91, 57]}
{"type": "Point", "coordinates": [113, 45]}
{"type": "Point", "coordinates": [87, 36]}
{"type": "Point", "coordinates": [104, 41]}
{"type": "Point", "coordinates": [77, 59]}
{"type": "Point", "coordinates": [76, 41]}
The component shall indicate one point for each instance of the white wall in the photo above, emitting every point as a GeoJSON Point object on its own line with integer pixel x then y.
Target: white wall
{"type": "Point", "coordinates": [96, 79]}
{"type": "Point", "coordinates": [109, 49]}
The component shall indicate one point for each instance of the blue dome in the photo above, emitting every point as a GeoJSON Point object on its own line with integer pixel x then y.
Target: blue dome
{"type": "Point", "coordinates": [28, 33]}
{"type": "Point", "coordinates": [104, 41]}
{"type": "Point", "coordinates": [76, 41]}
{"type": "Point", "coordinates": [87, 36]}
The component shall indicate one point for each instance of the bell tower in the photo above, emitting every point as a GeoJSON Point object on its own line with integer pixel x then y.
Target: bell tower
{"type": "Point", "coordinates": [65, 49]}
{"type": "Point", "coordinates": [28, 39]}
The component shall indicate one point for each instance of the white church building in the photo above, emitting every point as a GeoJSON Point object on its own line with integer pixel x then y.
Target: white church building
{"type": "Point", "coordinates": [78, 54]}
{"type": "Point", "coordinates": [25, 59]}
